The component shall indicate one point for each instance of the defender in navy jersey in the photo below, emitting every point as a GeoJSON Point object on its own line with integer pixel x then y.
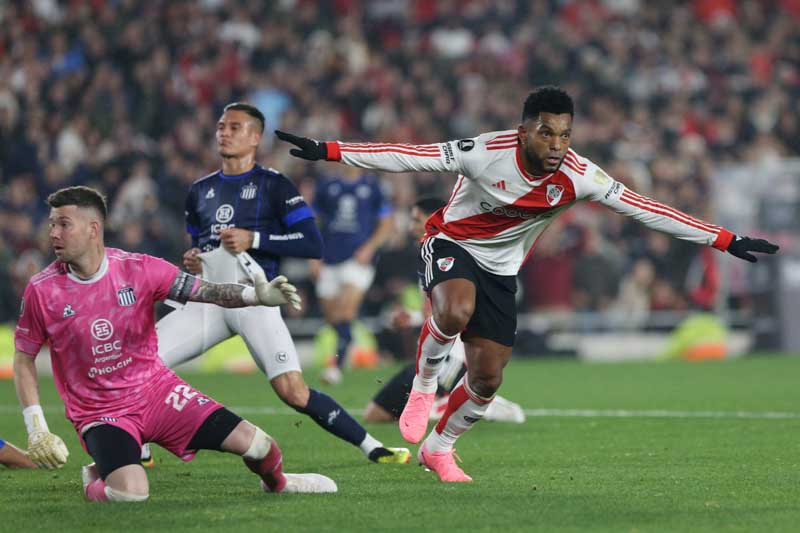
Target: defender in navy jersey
{"type": "Point", "coordinates": [240, 215]}
{"type": "Point", "coordinates": [356, 220]}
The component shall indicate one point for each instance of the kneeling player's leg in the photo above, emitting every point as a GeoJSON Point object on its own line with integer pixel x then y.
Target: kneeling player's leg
{"type": "Point", "coordinates": [116, 474]}
{"type": "Point", "coordinates": [226, 432]}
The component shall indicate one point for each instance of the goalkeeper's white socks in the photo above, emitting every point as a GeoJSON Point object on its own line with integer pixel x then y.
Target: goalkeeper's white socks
{"type": "Point", "coordinates": [464, 408]}
{"type": "Point", "coordinates": [432, 349]}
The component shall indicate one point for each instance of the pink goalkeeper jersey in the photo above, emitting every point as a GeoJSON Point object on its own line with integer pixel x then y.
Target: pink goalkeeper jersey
{"type": "Point", "coordinates": [101, 331]}
{"type": "Point", "coordinates": [497, 210]}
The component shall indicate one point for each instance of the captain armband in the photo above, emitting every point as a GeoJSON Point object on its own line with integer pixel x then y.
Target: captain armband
{"type": "Point", "coordinates": [183, 287]}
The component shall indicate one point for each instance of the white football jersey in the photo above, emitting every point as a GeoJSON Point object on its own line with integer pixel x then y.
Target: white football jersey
{"type": "Point", "coordinates": [497, 210]}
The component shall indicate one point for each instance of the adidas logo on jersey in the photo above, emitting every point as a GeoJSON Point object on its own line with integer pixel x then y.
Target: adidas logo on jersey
{"type": "Point", "coordinates": [210, 193]}
{"type": "Point", "coordinates": [68, 312]}
{"type": "Point", "coordinates": [500, 185]}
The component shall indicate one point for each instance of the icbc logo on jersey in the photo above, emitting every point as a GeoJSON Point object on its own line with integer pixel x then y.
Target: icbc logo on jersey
{"type": "Point", "coordinates": [102, 330]}
{"type": "Point", "coordinates": [445, 263]}
{"type": "Point", "coordinates": [224, 215]}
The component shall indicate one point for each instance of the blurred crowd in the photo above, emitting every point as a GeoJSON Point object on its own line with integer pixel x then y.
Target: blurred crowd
{"type": "Point", "coordinates": [124, 95]}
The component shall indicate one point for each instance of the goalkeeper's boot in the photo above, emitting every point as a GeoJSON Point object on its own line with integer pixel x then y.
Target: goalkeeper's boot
{"type": "Point", "coordinates": [503, 410]}
{"type": "Point", "coordinates": [414, 418]}
{"type": "Point", "coordinates": [386, 456]}
{"type": "Point", "coordinates": [306, 483]}
{"type": "Point", "coordinates": [443, 463]}
{"type": "Point", "coordinates": [89, 474]}
{"type": "Point", "coordinates": [147, 457]}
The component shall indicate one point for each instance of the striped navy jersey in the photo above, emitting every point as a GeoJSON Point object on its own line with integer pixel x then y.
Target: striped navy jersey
{"type": "Point", "coordinates": [349, 212]}
{"type": "Point", "coordinates": [262, 200]}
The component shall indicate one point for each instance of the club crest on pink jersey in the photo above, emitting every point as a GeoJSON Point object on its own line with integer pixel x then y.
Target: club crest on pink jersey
{"type": "Point", "coordinates": [445, 263]}
{"type": "Point", "coordinates": [554, 192]}
{"type": "Point", "coordinates": [126, 297]}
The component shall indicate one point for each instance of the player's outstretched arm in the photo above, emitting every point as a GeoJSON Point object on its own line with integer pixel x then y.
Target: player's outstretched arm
{"type": "Point", "coordinates": [389, 157]}
{"type": "Point", "coordinates": [45, 449]}
{"type": "Point", "coordinates": [13, 457]}
{"type": "Point", "coordinates": [270, 293]}
{"type": "Point", "coordinates": [669, 220]}
{"type": "Point", "coordinates": [742, 246]}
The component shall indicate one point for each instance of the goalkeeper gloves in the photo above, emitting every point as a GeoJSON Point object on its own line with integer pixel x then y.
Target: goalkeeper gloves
{"type": "Point", "coordinates": [306, 148]}
{"type": "Point", "coordinates": [45, 449]}
{"type": "Point", "coordinates": [276, 292]}
{"type": "Point", "coordinates": [742, 246]}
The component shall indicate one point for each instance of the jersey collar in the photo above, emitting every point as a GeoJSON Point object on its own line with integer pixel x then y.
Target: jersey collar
{"type": "Point", "coordinates": [238, 176]}
{"type": "Point", "coordinates": [95, 277]}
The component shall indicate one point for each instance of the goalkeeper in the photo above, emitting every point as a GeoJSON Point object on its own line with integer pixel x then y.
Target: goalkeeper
{"type": "Point", "coordinates": [94, 307]}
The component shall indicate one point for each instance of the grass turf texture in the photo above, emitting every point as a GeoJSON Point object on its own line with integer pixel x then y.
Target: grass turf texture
{"type": "Point", "coordinates": [553, 473]}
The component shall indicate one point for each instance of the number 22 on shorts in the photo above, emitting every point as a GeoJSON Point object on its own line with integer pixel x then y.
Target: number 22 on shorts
{"type": "Point", "coordinates": [179, 397]}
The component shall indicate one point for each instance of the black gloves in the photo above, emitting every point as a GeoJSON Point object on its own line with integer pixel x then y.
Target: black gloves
{"type": "Point", "coordinates": [741, 246]}
{"type": "Point", "coordinates": [306, 148]}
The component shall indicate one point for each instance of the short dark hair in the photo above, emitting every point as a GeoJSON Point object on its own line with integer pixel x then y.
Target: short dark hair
{"type": "Point", "coordinates": [429, 204]}
{"type": "Point", "coordinates": [547, 99]}
{"type": "Point", "coordinates": [81, 196]}
{"type": "Point", "coordinates": [250, 110]}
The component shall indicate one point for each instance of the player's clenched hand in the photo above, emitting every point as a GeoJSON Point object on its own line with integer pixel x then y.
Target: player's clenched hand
{"type": "Point", "coordinates": [276, 292]}
{"type": "Point", "coordinates": [236, 240]}
{"type": "Point", "coordinates": [742, 246]}
{"type": "Point", "coordinates": [191, 261]}
{"type": "Point", "coordinates": [306, 148]}
{"type": "Point", "coordinates": [47, 450]}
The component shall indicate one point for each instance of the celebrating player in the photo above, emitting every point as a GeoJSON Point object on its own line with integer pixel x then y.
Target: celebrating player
{"type": "Point", "coordinates": [94, 306]}
{"type": "Point", "coordinates": [390, 400]}
{"type": "Point", "coordinates": [257, 216]}
{"type": "Point", "coordinates": [511, 186]}
{"type": "Point", "coordinates": [357, 218]}
{"type": "Point", "coordinates": [13, 457]}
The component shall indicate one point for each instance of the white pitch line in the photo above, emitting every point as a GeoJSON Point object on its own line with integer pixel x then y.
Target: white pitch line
{"type": "Point", "coordinates": [542, 413]}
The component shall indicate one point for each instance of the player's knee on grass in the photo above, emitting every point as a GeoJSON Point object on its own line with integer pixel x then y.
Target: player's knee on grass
{"type": "Point", "coordinates": [292, 389]}
{"type": "Point", "coordinates": [127, 484]}
{"type": "Point", "coordinates": [115, 495]}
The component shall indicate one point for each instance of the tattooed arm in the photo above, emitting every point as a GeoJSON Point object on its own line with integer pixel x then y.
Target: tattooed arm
{"type": "Point", "coordinates": [188, 288]}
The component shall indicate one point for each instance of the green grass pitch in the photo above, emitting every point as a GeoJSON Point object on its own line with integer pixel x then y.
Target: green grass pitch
{"type": "Point", "coordinates": [675, 456]}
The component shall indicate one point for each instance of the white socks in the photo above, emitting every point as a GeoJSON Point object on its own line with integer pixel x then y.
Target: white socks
{"type": "Point", "coordinates": [432, 349]}
{"type": "Point", "coordinates": [464, 408]}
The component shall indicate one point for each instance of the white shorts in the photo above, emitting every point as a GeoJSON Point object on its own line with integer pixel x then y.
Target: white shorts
{"type": "Point", "coordinates": [194, 328]}
{"type": "Point", "coordinates": [351, 272]}
{"type": "Point", "coordinates": [189, 331]}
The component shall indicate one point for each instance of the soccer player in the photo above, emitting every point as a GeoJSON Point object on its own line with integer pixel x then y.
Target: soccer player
{"type": "Point", "coordinates": [94, 306]}
{"type": "Point", "coordinates": [511, 186]}
{"type": "Point", "coordinates": [390, 400]}
{"type": "Point", "coordinates": [251, 211]}
{"type": "Point", "coordinates": [355, 216]}
{"type": "Point", "coordinates": [13, 457]}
